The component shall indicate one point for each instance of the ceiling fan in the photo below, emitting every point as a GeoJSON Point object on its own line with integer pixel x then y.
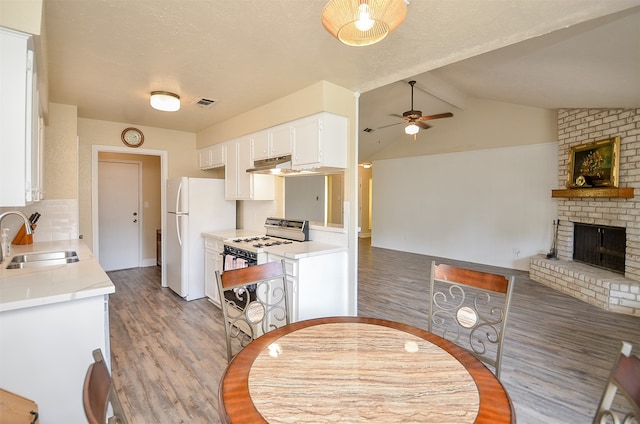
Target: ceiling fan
{"type": "Point", "coordinates": [414, 118]}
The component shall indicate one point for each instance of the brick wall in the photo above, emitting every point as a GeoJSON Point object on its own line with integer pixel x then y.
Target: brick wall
{"type": "Point", "coordinates": [581, 126]}
{"type": "Point", "coordinates": [602, 288]}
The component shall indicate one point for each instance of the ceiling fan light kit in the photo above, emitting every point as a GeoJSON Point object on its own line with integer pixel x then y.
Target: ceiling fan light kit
{"type": "Point", "coordinates": [411, 129]}
{"type": "Point", "coordinates": [413, 118]}
{"type": "Point", "coordinates": [164, 101]}
{"type": "Point", "coordinates": [363, 22]}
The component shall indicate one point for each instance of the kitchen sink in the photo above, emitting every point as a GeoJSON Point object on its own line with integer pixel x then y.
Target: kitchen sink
{"type": "Point", "coordinates": [42, 259]}
{"type": "Point", "coordinates": [44, 256]}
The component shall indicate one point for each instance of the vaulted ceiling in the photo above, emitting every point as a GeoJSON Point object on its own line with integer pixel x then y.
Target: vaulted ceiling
{"type": "Point", "coordinates": [105, 56]}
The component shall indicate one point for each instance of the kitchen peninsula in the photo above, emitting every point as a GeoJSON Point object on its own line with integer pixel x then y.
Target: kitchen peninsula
{"type": "Point", "coordinates": [316, 270]}
{"type": "Point", "coordinates": [51, 319]}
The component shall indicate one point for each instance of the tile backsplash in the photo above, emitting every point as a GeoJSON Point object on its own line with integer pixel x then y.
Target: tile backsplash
{"type": "Point", "coordinates": [59, 220]}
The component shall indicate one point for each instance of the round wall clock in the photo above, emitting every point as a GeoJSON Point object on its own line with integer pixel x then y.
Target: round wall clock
{"type": "Point", "coordinates": [132, 137]}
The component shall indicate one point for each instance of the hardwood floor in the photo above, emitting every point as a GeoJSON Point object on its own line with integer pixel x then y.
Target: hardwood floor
{"type": "Point", "coordinates": [168, 354]}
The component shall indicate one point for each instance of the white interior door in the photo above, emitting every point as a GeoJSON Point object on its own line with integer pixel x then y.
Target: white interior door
{"type": "Point", "coordinates": [119, 215]}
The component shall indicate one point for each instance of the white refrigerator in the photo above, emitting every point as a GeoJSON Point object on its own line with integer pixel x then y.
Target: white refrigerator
{"type": "Point", "coordinates": [194, 206]}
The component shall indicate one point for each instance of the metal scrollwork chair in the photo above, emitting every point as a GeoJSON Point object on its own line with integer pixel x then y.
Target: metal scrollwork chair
{"type": "Point", "coordinates": [99, 392]}
{"type": "Point", "coordinates": [470, 308]}
{"type": "Point", "coordinates": [254, 301]}
{"type": "Point", "coordinates": [624, 378]}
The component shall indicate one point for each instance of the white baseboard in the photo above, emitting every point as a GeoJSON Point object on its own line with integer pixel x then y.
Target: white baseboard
{"type": "Point", "coordinates": [148, 262]}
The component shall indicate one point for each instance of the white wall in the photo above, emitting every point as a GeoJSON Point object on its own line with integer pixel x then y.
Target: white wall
{"type": "Point", "coordinates": [490, 206]}
{"type": "Point", "coordinates": [305, 198]}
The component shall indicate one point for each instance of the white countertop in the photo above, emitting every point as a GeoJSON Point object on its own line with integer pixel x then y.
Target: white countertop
{"type": "Point", "coordinates": [23, 288]}
{"type": "Point", "coordinates": [304, 250]}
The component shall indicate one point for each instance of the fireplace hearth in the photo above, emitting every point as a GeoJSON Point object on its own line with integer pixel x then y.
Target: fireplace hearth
{"type": "Point", "coordinates": [600, 246]}
{"type": "Point", "coordinates": [600, 274]}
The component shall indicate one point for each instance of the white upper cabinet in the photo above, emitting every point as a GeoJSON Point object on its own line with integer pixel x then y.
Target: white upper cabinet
{"type": "Point", "coordinates": [239, 184]}
{"type": "Point", "coordinates": [261, 145]}
{"type": "Point", "coordinates": [273, 142]}
{"type": "Point", "coordinates": [212, 156]}
{"type": "Point", "coordinates": [20, 124]}
{"type": "Point", "coordinates": [320, 141]}
{"type": "Point", "coordinates": [281, 140]}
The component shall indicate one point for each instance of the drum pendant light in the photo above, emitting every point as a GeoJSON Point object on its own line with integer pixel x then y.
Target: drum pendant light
{"type": "Point", "coordinates": [363, 22]}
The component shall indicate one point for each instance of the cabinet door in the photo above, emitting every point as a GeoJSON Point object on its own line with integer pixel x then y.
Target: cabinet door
{"type": "Point", "coordinates": [281, 141]}
{"type": "Point", "coordinates": [32, 144]}
{"type": "Point", "coordinates": [244, 179]}
{"type": "Point", "coordinates": [261, 145]}
{"type": "Point", "coordinates": [15, 104]}
{"type": "Point", "coordinates": [212, 157]}
{"type": "Point", "coordinates": [231, 171]}
{"type": "Point", "coordinates": [210, 289]}
{"type": "Point", "coordinates": [217, 156]}
{"type": "Point", "coordinates": [204, 158]}
{"type": "Point", "coordinates": [307, 150]}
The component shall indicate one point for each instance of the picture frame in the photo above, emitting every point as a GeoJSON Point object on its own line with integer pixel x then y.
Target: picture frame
{"type": "Point", "coordinates": [594, 164]}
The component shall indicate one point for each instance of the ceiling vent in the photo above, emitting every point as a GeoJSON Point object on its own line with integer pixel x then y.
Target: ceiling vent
{"type": "Point", "coordinates": [368, 130]}
{"type": "Point", "coordinates": [206, 103]}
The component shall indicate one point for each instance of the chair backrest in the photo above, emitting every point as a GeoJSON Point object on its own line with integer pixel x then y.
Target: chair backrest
{"type": "Point", "coordinates": [98, 393]}
{"type": "Point", "coordinates": [470, 308]}
{"type": "Point", "coordinates": [254, 301]}
{"type": "Point", "coordinates": [625, 378]}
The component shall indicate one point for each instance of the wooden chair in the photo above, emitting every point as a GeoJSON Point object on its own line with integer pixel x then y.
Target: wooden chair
{"type": "Point", "coordinates": [625, 378]}
{"type": "Point", "coordinates": [470, 308]}
{"type": "Point", "coordinates": [254, 301]}
{"type": "Point", "coordinates": [99, 392]}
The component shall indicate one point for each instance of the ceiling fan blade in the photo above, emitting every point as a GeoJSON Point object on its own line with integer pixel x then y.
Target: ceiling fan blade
{"type": "Point", "coordinates": [422, 125]}
{"type": "Point", "coordinates": [396, 115]}
{"type": "Point", "coordinates": [390, 125]}
{"type": "Point", "coordinates": [438, 116]}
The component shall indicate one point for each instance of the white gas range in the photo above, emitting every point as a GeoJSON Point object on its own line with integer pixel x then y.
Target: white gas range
{"type": "Point", "coordinates": [252, 250]}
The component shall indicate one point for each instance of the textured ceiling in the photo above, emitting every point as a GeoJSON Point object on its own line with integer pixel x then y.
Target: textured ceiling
{"type": "Point", "coordinates": [105, 56]}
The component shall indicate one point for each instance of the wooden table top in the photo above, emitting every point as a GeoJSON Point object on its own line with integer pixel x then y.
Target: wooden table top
{"type": "Point", "coordinates": [350, 369]}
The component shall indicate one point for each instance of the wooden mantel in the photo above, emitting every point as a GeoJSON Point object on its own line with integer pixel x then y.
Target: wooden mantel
{"type": "Point", "coordinates": [593, 192]}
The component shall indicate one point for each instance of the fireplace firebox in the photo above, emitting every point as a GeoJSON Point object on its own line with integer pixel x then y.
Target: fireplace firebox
{"type": "Point", "coordinates": [600, 246]}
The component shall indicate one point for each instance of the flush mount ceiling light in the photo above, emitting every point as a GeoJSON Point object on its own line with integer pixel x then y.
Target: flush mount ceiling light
{"type": "Point", "coordinates": [363, 22]}
{"type": "Point", "coordinates": [165, 101]}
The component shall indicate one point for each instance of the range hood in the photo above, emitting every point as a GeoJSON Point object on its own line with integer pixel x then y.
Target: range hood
{"type": "Point", "coordinates": [281, 166]}
{"type": "Point", "coordinates": [276, 166]}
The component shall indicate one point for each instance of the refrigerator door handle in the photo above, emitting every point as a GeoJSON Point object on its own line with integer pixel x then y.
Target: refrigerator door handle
{"type": "Point", "coordinates": [178, 216]}
{"type": "Point", "coordinates": [178, 196]}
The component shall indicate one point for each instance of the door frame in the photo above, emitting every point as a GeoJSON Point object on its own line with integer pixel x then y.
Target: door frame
{"type": "Point", "coordinates": [95, 150]}
{"type": "Point", "coordinates": [138, 163]}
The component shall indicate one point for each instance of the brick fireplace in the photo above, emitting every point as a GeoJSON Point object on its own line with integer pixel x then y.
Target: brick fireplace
{"type": "Point", "coordinates": [606, 289]}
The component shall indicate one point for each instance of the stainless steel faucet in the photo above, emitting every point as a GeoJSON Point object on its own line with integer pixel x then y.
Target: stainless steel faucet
{"type": "Point", "coordinates": [27, 225]}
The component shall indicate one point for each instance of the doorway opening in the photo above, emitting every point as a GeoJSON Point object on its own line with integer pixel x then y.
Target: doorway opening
{"type": "Point", "coordinates": [155, 208]}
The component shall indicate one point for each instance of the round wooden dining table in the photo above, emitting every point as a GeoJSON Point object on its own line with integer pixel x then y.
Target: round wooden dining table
{"type": "Point", "coordinates": [356, 370]}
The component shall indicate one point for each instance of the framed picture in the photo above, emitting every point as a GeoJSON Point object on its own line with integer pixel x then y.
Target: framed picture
{"type": "Point", "coordinates": [594, 164]}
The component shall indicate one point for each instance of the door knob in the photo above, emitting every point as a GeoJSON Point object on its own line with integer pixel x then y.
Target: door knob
{"type": "Point", "coordinates": [135, 214]}
{"type": "Point", "coordinates": [135, 220]}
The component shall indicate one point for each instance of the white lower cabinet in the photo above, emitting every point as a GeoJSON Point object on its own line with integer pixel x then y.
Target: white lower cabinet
{"type": "Point", "coordinates": [213, 251]}
{"type": "Point", "coordinates": [316, 285]}
{"type": "Point", "coordinates": [45, 352]}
